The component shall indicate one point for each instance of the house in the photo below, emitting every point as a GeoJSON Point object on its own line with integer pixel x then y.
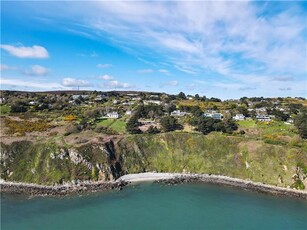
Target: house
{"type": "Point", "coordinates": [152, 102]}
{"type": "Point", "coordinates": [262, 109]}
{"type": "Point", "coordinates": [33, 102]}
{"type": "Point", "coordinates": [2, 100]}
{"type": "Point", "coordinates": [178, 113]}
{"type": "Point", "coordinates": [128, 112]}
{"type": "Point", "coordinates": [113, 115]}
{"type": "Point", "coordinates": [214, 115]}
{"type": "Point", "coordinates": [217, 116]}
{"type": "Point", "coordinates": [136, 99]}
{"type": "Point", "coordinates": [115, 102]}
{"type": "Point", "coordinates": [100, 97]}
{"type": "Point", "coordinates": [239, 117]}
{"type": "Point", "coordinates": [263, 118]}
{"type": "Point", "coordinates": [78, 96]}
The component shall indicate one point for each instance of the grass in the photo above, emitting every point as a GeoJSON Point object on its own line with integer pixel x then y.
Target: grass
{"type": "Point", "coordinates": [117, 125]}
{"type": "Point", "coordinates": [277, 127]}
{"type": "Point", "coordinates": [247, 124]}
{"type": "Point", "coordinates": [4, 109]}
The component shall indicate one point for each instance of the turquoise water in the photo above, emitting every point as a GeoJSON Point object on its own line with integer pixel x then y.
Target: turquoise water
{"type": "Point", "coordinates": [153, 206]}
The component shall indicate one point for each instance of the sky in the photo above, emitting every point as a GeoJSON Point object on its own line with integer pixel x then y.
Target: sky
{"type": "Point", "coordinates": [224, 49]}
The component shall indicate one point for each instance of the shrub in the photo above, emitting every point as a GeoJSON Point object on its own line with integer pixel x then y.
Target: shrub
{"type": "Point", "coordinates": [26, 126]}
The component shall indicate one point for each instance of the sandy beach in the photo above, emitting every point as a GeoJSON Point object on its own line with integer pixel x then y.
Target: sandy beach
{"type": "Point", "coordinates": [178, 178]}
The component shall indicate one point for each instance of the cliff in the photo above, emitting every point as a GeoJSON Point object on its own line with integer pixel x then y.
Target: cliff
{"type": "Point", "coordinates": [50, 163]}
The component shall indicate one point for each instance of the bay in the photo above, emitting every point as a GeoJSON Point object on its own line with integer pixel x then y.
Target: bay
{"type": "Point", "coordinates": [155, 206]}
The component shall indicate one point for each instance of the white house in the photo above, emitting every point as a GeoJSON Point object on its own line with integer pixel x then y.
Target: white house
{"type": "Point", "coordinates": [152, 102]}
{"type": "Point", "coordinates": [128, 112]}
{"type": "Point", "coordinates": [263, 118]}
{"type": "Point", "coordinates": [178, 113]}
{"type": "Point", "coordinates": [77, 96]}
{"type": "Point", "coordinates": [33, 102]}
{"type": "Point", "coordinates": [239, 117]}
{"type": "Point", "coordinates": [214, 115]}
{"type": "Point", "coordinates": [113, 115]}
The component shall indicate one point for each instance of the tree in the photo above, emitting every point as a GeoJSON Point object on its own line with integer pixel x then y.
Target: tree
{"type": "Point", "coordinates": [294, 108]}
{"type": "Point", "coordinates": [230, 126]}
{"type": "Point", "coordinates": [196, 111]}
{"type": "Point", "coordinates": [197, 96]}
{"type": "Point", "coordinates": [18, 107]}
{"type": "Point", "coordinates": [242, 110]}
{"type": "Point", "coordinates": [152, 130]}
{"type": "Point", "coordinates": [300, 122]}
{"type": "Point", "coordinates": [132, 125]}
{"type": "Point", "coordinates": [280, 115]}
{"type": "Point", "coordinates": [181, 95]}
{"type": "Point", "coordinates": [169, 108]}
{"type": "Point", "coordinates": [169, 124]}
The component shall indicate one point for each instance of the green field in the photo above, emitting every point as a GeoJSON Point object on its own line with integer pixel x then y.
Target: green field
{"type": "Point", "coordinates": [4, 109]}
{"type": "Point", "coordinates": [247, 124]}
{"type": "Point", "coordinates": [116, 125]}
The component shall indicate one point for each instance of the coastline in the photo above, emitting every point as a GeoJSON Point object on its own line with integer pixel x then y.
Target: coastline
{"type": "Point", "coordinates": [84, 187]}
{"type": "Point", "coordinates": [163, 178]}
{"type": "Point", "coordinates": [181, 178]}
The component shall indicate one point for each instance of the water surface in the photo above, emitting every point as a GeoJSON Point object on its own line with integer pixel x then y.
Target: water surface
{"type": "Point", "coordinates": [153, 206]}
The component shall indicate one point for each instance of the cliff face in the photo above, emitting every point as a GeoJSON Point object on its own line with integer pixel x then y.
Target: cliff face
{"type": "Point", "coordinates": [45, 163]}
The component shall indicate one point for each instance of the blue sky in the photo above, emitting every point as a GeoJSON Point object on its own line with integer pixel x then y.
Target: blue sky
{"type": "Point", "coordinates": [225, 49]}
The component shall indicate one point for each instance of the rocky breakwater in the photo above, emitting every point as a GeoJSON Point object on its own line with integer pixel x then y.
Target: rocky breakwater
{"type": "Point", "coordinates": [59, 190]}
{"type": "Point", "coordinates": [234, 182]}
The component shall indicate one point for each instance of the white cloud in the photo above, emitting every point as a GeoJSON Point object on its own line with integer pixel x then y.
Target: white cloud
{"type": "Point", "coordinates": [117, 85]}
{"type": "Point", "coordinates": [6, 67]}
{"type": "Point", "coordinates": [164, 71]}
{"type": "Point", "coordinates": [37, 70]}
{"type": "Point", "coordinates": [283, 78]}
{"type": "Point", "coordinates": [106, 77]}
{"type": "Point", "coordinates": [26, 52]}
{"type": "Point", "coordinates": [172, 83]}
{"type": "Point", "coordinates": [22, 83]}
{"type": "Point", "coordinates": [145, 71]}
{"type": "Point", "coordinates": [102, 66]}
{"type": "Point", "coordinates": [71, 82]}
{"type": "Point", "coordinates": [211, 36]}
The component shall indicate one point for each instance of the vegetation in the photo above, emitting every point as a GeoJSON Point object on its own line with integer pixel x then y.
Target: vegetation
{"type": "Point", "coordinates": [4, 109]}
{"type": "Point", "coordinates": [269, 151]}
{"type": "Point", "coordinates": [22, 127]}
{"type": "Point", "coordinates": [301, 124]}
{"type": "Point", "coordinates": [170, 124]}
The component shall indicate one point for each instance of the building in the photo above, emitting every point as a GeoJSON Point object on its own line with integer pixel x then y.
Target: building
{"type": "Point", "coordinates": [33, 102]}
{"type": "Point", "coordinates": [128, 112]}
{"type": "Point", "coordinates": [214, 115]}
{"type": "Point", "coordinates": [263, 118]}
{"type": "Point", "coordinates": [178, 113]}
{"type": "Point", "coordinates": [147, 102]}
{"type": "Point", "coordinates": [113, 115]}
{"type": "Point", "coordinates": [239, 117]}
{"type": "Point", "coordinates": [78, 96]}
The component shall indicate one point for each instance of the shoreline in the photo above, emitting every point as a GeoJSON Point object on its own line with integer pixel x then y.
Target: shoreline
{"type": "Point", "coordinates": [182, 178]}
{"type": "Point", "coordinates": [162, 178]}
{"type": "Point", "coordinates": [84, 187]}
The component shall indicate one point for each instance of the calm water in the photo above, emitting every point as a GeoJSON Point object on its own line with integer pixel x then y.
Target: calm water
{"type": "Point", "coordinates": [152, 206]}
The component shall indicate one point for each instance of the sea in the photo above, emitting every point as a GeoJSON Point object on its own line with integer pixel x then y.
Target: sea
{"type": "Point", "coordinates": [156, 206]}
